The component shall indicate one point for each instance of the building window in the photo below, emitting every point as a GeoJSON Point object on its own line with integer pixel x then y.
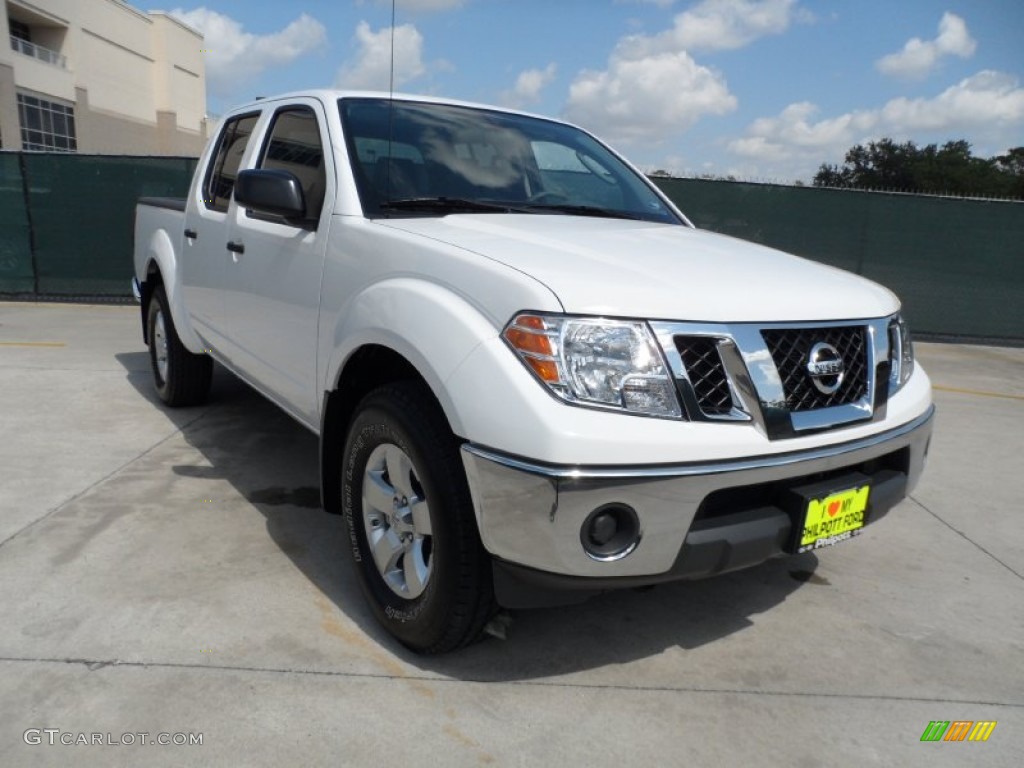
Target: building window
{"type": "Point", "coordinates": [20, 30]}
{"type": "Point", "coordinates": [46, 126]}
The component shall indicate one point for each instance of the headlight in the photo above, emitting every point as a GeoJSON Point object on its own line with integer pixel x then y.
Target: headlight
{"type": "Point", "coordinates": [610, 364]}
{"type": "Point", "coordinates": [901, 355]}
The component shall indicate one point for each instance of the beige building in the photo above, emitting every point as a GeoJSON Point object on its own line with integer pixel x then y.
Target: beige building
{"type": "Point", "coordinates": [99, 76]}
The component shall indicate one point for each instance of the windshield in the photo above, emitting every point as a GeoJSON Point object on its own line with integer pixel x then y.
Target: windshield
{"type": "Point", "coordinates": [416, 159]}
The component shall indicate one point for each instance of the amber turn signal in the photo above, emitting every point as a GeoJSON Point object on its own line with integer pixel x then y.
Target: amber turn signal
{"type": "Point", "coordinates": [527, 335]}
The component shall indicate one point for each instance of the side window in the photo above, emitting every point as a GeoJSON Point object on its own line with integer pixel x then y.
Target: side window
{"type": "Point", "coordinates": [294, 145]}
{"type": "Point", "coordinates": [220, 177]}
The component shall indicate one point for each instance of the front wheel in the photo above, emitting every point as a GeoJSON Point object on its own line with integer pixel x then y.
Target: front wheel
{"type": "Point", "coordinates": [411, 528]}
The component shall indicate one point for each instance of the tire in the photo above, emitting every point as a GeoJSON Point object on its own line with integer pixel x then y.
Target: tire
{"type": "Point", "coordinates": [181, 378]}
{"type": "Point", "coordinates": [411, 527]}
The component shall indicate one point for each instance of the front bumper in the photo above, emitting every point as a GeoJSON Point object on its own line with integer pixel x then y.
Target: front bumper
{"type": "Point", "coordinates": [695, 519]}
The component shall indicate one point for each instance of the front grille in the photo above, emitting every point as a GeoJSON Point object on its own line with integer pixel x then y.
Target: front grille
{"type": "Point", "coordinates": [706, 373]}
{"type": "Point", "coordinates": [790, 349]}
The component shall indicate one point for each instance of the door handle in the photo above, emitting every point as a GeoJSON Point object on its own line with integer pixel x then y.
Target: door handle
{"type": "Point", "coordinates": [191, 234]}
{"type": "Point", "coordinates": [236, 247]}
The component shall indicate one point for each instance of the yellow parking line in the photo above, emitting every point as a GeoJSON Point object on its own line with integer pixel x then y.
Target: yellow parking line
{"type": "Point", "coordinates": [32, 344]}
{"type": "Point", "coordinates": [977, 392]}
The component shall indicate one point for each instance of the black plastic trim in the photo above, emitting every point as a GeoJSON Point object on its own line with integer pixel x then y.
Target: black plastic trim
{"type": "Point", "coordinates": [170, 203]}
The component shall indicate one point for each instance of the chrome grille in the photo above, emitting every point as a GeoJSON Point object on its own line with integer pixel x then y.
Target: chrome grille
{"type": "Point", "coordinates": [790, 349]}
{"type": "Point", "coordinates": [706, 373]}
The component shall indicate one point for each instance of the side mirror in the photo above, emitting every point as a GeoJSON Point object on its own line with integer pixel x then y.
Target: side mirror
{"type": "Point", "coordinates": [273, 191]}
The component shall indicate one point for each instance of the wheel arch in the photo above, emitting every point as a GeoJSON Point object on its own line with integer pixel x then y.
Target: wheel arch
{"type": "Point", "coordinates": [370, 366]}
{"type": "Point", "coordinates": [161, 260]}
{"type": "Point", "coordinates": [153, 278]}
{"type": "Point", "coordinates": [397, 329]}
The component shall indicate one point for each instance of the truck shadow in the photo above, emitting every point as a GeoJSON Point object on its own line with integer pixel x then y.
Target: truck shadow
{"type": "Point", "coordinates": [272, 462]}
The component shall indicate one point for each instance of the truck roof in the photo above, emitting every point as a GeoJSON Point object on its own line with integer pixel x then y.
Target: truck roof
{"type": "Point", "coordinates": [333, 94]}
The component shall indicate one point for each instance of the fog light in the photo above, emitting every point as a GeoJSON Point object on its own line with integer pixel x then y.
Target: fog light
{"type": "Point", "coordinates": [610, 532]}
{"type": "Point", "coordinates": [603, 528]}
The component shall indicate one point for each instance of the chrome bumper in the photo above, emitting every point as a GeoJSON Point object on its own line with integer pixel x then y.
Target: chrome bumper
{"type": "Point", "coordinates": [530, 514]}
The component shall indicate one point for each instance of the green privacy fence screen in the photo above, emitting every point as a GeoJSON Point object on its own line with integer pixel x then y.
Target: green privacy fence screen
{"type": "Point", "coordinates": [16, 273]}
{"type": "Point", "coordinates": [958, 265]}
{"type": "Point", "coordinates": [66, 220]}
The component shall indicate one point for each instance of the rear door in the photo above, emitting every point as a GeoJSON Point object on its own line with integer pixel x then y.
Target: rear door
{"type": "Point", "coordinates": [204, 257]}
{"type": "Point", "coordinates": [272, 294]}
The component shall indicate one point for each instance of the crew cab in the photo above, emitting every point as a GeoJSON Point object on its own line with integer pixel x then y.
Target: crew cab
{"type": "Point", "coordinates": [532, 378]}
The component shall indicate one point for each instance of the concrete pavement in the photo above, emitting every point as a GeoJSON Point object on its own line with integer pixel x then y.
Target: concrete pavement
{"type": "Point", "coordinates": [171, 571]}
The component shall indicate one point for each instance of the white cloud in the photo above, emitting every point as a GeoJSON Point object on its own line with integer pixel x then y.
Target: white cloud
{"type": "Point", "coordinates": [794, 127]}
{"type": "Point", "coordinates": [528, 86]}
{"type": "Point", "coordinates": [717, 25]}
{"type": "Point", "coordinates": [371, 68]}
{"type": "Point", "coordinates": [647, 98]}
{"type": "Point", "coordinates": [653, 88]}
{"type": "Point", "coordinates": [235, 55]}
{"type": "Point", "coordinates": [423, 5]}
{"type": "Point", "coordinates": [919, 57]}
{"type": "Point", "coordinates": [659, 3]}
{"type": "Point", "coordinates": [986, 107]}
{"type": "Point", "coordinates": [989, 101]}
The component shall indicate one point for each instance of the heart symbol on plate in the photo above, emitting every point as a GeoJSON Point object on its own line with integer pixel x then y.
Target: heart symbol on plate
{"type": "Point", "coordinates": [833, 508]}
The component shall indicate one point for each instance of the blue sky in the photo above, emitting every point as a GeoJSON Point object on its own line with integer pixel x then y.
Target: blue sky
{"type": "Point", "coordinates": [760, 89]}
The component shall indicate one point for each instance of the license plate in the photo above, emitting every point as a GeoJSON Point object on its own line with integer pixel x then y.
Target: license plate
{"type": "Point", "coordinates": [834, 518]}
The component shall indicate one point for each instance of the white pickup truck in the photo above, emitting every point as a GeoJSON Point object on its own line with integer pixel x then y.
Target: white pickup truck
{"type": "Point", "coordinates": [532, 378]}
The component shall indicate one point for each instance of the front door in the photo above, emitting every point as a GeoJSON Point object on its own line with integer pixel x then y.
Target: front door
{"type": "Point", "coordinates": [272, 295]}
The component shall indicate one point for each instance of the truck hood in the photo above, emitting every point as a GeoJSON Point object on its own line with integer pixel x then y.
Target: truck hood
{"type": "Point", "coordinates": [626, 268]}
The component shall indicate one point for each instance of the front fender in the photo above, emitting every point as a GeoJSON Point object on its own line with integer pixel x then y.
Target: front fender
{"type": "Point", "coordinates": [431, 327]}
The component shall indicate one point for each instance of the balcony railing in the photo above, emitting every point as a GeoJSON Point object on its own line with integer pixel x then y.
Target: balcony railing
{"type": "Point", "coordinates": [38, 52]}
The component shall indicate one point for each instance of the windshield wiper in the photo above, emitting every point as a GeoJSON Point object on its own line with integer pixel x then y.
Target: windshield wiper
{"type": "Point", "coordinates": [464, 205]}
{"type": "Point", "coordinates": [585, 210]}
{"type": "Point", "coordinates": [448, 205]}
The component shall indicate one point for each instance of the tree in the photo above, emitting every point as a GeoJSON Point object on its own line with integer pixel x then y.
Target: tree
{"type": "Point", "coordinates": [882, 164]}
{"type": "Point", "coordinates": [1011, 165]}
{"type": "Point", "coordinates": [949, 169]}
{"type": "Point", "coordinates": [830, 176]}
{"type": "Point", "coordinates": [1012, 162]}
